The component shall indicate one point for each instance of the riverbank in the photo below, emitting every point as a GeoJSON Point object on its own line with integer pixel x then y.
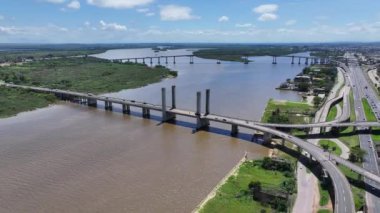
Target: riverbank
{"type": "Point", "coordinates": [14, 101]}
{"type": "Point", "coordinates": [238, 53]}
{"type": "Point", "coordinates": [235, 195]}
{"type": "Point", "coordinates": [76, 74]}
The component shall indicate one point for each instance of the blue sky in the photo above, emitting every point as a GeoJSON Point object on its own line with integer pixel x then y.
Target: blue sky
{"type": "Point", "coordinates": [132, 21]}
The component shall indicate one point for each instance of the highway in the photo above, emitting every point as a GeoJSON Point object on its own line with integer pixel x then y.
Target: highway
{"type": "Point", "coordinates": [361, 88]}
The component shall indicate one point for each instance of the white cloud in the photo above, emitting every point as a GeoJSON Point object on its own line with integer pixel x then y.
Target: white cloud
{"type": "Point", "coordinates": [2, 17]}
{"type": "Point", "coordinates": [266, 8]}
{"type": "Point", "coordinates": [290, 22]}
{"type": "Point", "coordinates": [223, 19]}
{"type": "Point", "coordinates": [74, 5]}
{"type": "Point", "coordinates": [176, 13]}
{"type": "Point", "coordinates": [87, 23]}
{"type": "Point", "coordinates": [119, 4]}
{"type": "Point", "coordinates": [112, 26]}
{"type": "Point", "coordinates": [244, 25]}
{"type": "Point", "coordinates": [150, 14]}
{"type": "Point", "coordinates": [55, 1]}
{"type": "Point", "coordinates": [267, 12]}
{"type": "Point", "coordinates": [268, 17]}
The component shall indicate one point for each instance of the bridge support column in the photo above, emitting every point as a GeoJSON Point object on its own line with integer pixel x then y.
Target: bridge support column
{"type": "Point", "coordinates": [151, 60]}
{"type": "Point", "coordinates": [166, 60]}
{"type": "Point", "coordinates": [92, 102]}
{"type": "Point", "coordinates": [173, 59]}
{"type": "Point", "coordinates": [306, 61]}
{"type": "Point", "coordinates": [108, 105]}
{"type": "Point", "coordinates": [136, 60]}
{"type": "Point", "coordinates": [207, 101]}
{"type": "Point", "coordinates": [267, 137]}
{"type": "Point", "coordinates": [191, 60]}
{"type": "Point", "coordinates": [274, 60]}
{"type": "Point", "coordinates": [143, 60]}
{"type": "Point", "coordinates": [299, 149]}
{"type": "Point", "coordinates": [202, 123]}
{"type": "Point", "coordinates": [283, 142]}
{"type": "Point", "coordinates": [245, 59]}
{"type": "Point", "coordinates": [218, 62]}
{"type": "Point", "coordinates": [166, 116]}
{"type": "Point", "coordinates": [299, 60]}
{"type": "Point", "coordinates": [292, 59]}
{"type": "Point", "coordinates": [173, 97]}
{"type": "Point", "coordinates": [159, 60]}
{"type": "Point", "coordinates": [234, 130]}
{"type": "Point", "coordinates": [145, 112]}
{"type": "Point", "coordinates": [322, 130]}
{"type": "Point", "coordinates": [126, 109]}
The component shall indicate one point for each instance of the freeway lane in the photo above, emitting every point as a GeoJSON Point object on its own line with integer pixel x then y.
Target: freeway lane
{"type": "Point", "coordinates": [362, 89]}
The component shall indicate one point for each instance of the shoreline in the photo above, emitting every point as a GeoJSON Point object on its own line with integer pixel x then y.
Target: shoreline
{"type": "Point", "coordinates": [212, 194]}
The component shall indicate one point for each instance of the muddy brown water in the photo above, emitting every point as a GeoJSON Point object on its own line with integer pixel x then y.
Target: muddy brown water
{"type": "Point", "coordinates": [71, 158]}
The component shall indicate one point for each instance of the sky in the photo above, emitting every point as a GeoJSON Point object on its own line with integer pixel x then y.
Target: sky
{"type": "Point", "coordinates": [230, 21]}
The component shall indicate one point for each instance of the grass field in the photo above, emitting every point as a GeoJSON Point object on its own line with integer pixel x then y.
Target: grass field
{"type": "Point", "coordinates": [230, 198]}
{"type": "Point", "coordinates": [359, 196]}
{"type": "Point", "coordinates": [14, 101]}
{"type": "Point", "coordinates": [297, 112]}
{"type": "Point", "coordinates": [370, 116]}
{"type": "Point", "coordinates": [332, 113]}
{"type": "Point", "coordinates": [333, 147]}
{"type": "Point", "coordinates": [84, 75]}
{"type": "Point", "coordinates": [347, 136]}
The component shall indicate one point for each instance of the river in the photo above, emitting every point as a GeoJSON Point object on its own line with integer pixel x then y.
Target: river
{"type": "Point", "coordinates": [71, 158]}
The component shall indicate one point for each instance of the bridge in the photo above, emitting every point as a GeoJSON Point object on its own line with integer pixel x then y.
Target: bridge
{"type": "Point", "coordinates": [172, 58]}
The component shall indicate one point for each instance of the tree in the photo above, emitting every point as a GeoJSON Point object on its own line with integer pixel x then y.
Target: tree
{"type": "Point", "coordinates": [325, 147]}
{"type": "Point", "coordinates": [357, 154]}
{"type": "Point", "coordinates": [254, 189]}
{"type": "Point", "coordinates": [304, 86]}
{"type": "Point", "coordinates": [289, 185]}
{"type": "Point", "coordinates": [317, 101]}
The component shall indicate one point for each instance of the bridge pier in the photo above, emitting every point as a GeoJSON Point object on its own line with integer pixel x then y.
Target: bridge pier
{"type": "Point", "coordinates": [173, 97]}
{"type": "Point", "coordinates": [267, 137]}
{"type": "Point", "coordinates": [234, 130]}
{"type": "Point", "coordinates": [126, 109]}
{"type": "Point", "coordinates": [299, 149]}
{"type": "Point", "coordinates": [283, 142]}
{"type": "Point", "coordinates": [292, 59]}
{"type": "Point", "coordinates": [145, 112]}
{"type": "Point", "coordinates": [274, 60]}
{"type": "Point", "coordinates": [159, 60]}
{"type": "Point", "coordinates": [173, 59]}
{"type": "Point", "coordinates": [166, 60]}
{"type": "Point", "coordinates": [151, 60]}
{"type": "Point", "coordinates": [202, 123]}
{"type": "Point", "coordinates": [245, 59]}
{"type": "Point", "coordinates": [108, 105]}
{"type": "Point", "coordinates": [299, 60]}
{"type": "Point", "coordinates": [136, 60]}
{"type": "Point", "coordinates": [306, 61]}
{"type": "Point", "coordinates": [218, 62]}
{"type": "Point", "coordinates": [191, 60]}
{"type": "Point", "coordinates": [207, 102]}
{"type": "Point", "coordinates": [166, 116]}
{"type": "Point", "coordinates": [143, 60]}
{"type": "Point", "coordinates": [92, 102]}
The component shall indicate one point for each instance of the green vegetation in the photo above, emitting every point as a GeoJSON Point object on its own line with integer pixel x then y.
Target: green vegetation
{"type": "Point", "coordinates": [239, 193]}
{"type": "Point", "coordinates": [324, 194]}
{"type": "Point", "coordinates": [324, 211]}
{"type": "Point", "coordinates": [370, 116]}
{"type": "Point", "coordinates": [348, 135]}
{"type": "Point", "coordinates": [235, 53]}
{"type": "Point", "coordinates": [322, 76]}
{"type": "Point", "coordinates": [331, 146]}
{"type": "Point", "coordinates": [332, 113]}
{"type": "Point", "coordinates": [14, 101]}
{"type": "Point", "coordinates": [84, 74]}
{"type": "Point", "coordinates": [357, 154]}
{"type": "Point", "coordinates": [357, 185]}
{"type": "Point", "coordinates": [19, 56]}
